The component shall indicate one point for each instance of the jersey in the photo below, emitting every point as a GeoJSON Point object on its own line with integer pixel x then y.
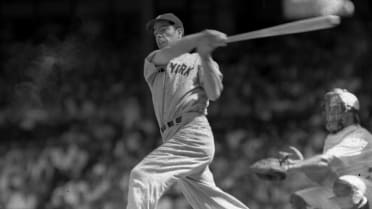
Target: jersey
{"type": "Point", "coordinates": [350, 152]}
{"type": "Point", "coordinates": [177, 87]}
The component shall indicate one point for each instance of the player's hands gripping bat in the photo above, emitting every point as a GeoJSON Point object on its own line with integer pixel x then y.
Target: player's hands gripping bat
{"type": "Point", "coordinates": [210, 40]}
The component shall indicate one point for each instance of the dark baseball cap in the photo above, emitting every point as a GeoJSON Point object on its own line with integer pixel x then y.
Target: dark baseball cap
{"type": "Point", "coordinates": [167, 17]}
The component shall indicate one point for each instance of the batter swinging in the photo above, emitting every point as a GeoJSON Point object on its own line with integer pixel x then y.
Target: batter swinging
{"type": "Point", "coordinates": [181, 85]}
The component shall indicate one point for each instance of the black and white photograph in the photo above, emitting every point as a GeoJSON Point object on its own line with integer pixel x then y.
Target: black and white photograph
{"type": "Point", "coordinates": [185, 104]}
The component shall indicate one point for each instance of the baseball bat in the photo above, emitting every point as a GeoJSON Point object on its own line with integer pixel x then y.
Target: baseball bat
{"type": "Point", "coordinates": [299, 26]}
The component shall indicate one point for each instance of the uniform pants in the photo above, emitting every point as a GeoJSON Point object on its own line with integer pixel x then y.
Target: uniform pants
{"type": "Point", "coordinates": [183, 158]}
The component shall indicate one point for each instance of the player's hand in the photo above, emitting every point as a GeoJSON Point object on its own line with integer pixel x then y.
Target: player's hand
{"type": "Point", "coordinates": [293, 155]}
{"type": "Point", "coordinates": [210, 39]}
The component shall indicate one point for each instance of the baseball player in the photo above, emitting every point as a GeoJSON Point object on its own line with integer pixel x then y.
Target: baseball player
{"type": "Point", "coordinates": [347, 151]}
{"type": "Point", "coordinates": [181, 84]}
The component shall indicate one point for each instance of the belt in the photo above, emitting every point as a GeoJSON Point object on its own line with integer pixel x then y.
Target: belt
{"type": "Point", "coordinates": [171, 123]}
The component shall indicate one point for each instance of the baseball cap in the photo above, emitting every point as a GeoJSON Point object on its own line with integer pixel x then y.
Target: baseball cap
{"type": "Point", "coordinates": [167, 17]}
{"type": "Point", "coordinates": [350, 100]}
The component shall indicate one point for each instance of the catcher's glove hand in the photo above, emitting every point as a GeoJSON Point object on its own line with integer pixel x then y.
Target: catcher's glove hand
{"type": "Point", "coordinates": [272, 169]}
{"type": "Point", "coordinates": [275, 169]}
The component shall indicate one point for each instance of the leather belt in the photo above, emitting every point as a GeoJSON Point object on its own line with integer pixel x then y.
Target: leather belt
{"type": "Point", "coordinates": [171, 123]}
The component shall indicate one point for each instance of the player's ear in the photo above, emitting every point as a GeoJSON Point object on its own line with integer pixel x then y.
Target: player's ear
{"type": "Point", "coordinates": [180, 32]}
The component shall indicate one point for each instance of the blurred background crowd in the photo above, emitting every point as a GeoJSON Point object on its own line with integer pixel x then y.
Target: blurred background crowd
{"type": "Point", "coordinates": [76, 114]}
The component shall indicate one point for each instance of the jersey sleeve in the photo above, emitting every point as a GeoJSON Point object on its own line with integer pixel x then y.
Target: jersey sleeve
{"type": "Point", "coordinates": [211, 80]}
{"type": "Point", "coordinates": [350, 146]}
{"type": "Point", "coordinates": [350, 152]}
{"type": "Point", "coordinates": [149, 68]}
{"type": "Point", "coordinates": [216, 71]}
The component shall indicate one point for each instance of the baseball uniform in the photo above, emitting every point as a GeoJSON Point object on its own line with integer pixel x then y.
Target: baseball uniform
{"type": "Point", "coordinates": [349, 152]}
{"type": "Point", "coordinates": [180, 104]}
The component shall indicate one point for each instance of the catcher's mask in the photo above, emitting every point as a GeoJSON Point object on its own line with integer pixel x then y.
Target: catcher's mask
{"type": "Point", "coordinates": [338, 104]}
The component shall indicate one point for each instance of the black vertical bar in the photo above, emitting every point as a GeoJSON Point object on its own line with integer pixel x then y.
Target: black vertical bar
{"type": "Point", "coordinates": [74, 23]}
{"type": "Point", "coordinates": [110, 17]}
{"type": "Point", "coordinates": [213, 13]}
{"type": "Point", "coordinates": [188, 21]}
{"type": "Point", "coordinates": [36, 11]}
{"type": "Point", "coordinates": [148, 7]}
{"type": "Point", "coordinates": [72, 8]}
{"type": "Point", "coordinates": [35, 20]}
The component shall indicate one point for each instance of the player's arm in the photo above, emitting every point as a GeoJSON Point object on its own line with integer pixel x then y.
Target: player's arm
{"type": "Point", "coordinates": [315, 163]}
{"type": "Point", "coordinates": [150, 68]}
{"type": "Point", "coordinates": [186, 44]}
{"type": "Point", "coordinates": [316, 168]}
{"type": "Point", "coordinates": [211, 77]}
{"type": "Point", "coordinates": [324, 164]}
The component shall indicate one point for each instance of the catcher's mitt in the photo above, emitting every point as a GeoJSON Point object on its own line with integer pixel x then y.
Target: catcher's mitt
{"type": "Point", "coordinates": [275, 169]}
{"type": "Point", "coordinates": [272, 169]}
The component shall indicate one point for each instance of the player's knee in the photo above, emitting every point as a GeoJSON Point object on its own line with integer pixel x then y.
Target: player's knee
{"type": "Point", "coordinates": [297, 202]}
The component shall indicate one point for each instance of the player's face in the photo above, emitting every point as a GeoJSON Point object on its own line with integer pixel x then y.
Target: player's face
{"type": "Point", "coordinates": [333, 112]}
{"type": "Point", "coordinates": [165, 33]}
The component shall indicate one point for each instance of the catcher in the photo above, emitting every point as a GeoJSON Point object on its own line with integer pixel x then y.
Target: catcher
{"type": "Point", "coordinates": [347, 151]}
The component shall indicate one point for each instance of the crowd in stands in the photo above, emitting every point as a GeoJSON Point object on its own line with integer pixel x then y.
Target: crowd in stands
{"type": "Point", "coordinates": [76, 116]}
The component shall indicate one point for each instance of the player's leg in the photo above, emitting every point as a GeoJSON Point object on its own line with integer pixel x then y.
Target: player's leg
{"type": "Point", "coordinates": [188, 152]}
{"type": "Point", "coordinates": [202, 193]}
{"type": "Point", "coordinates": [314, 197]}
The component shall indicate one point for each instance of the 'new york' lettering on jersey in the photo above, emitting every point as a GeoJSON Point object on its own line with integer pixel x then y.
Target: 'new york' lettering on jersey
{"type": "Point", "coordinates": [180, 68]}
{"type": "Point", "coordinates": [176, 89]}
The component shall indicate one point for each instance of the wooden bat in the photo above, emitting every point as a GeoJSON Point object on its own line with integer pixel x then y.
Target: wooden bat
{"type": "Point", "coordinates": [300, 26]}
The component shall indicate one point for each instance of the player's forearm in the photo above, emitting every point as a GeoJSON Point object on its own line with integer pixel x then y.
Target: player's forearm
{"type": "Point", "coordinates": [316, 169]}
{"type": "Point", "coordinates": [316, 163]}
{"type": "Point", "coordinates": [212, 78]}
{"type": "Point", "coordinates": [184, 45]}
